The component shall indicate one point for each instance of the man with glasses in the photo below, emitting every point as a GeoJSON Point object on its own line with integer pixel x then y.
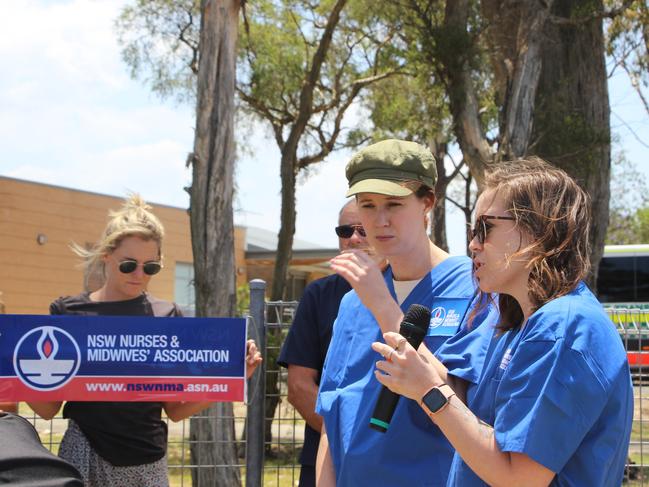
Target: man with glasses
{"type": "Point", "coordinates": [308, 339]}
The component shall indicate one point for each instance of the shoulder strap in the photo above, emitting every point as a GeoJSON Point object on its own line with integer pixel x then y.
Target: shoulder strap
{"type": "Point", "coordinates": [162, 308]}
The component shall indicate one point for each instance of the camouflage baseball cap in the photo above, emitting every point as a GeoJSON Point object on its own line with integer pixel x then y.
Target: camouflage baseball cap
{"type": "Point", "coordinates": [380, 167]}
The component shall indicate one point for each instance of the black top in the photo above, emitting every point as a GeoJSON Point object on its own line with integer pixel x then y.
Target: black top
{"type": "Point", "coordinates": [308, 339]}
{"type": "Point", "coordinates": [24, 462]}
{"type": "Point", "coordinates": [122, 433]}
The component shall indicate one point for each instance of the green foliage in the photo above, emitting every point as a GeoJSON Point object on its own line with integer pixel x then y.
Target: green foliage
{"type": "Point", "coordinates": [278, 50]}
{"type": "Point", "coordinates": [642, 217]}
{"type": "Point", "coordinates": [416, 106]}
{"type": "Point", "coordinates": [567, 132]}
{"type": "Point", "coordinates": [627, 42]}
{"type": "Point", "coordinates": [243, 300]}
{"type": "Point", "coordinates": [627, 228]}
{"type": "Point", "coordinates": [277, 42]}
{"type": "Point", "coordinates": [629, 205]}
{"type": "Point", "coordinates": [159, 41]}
{"type": "Point", "coordinates": [272, 61]}
{"type": "Point", "coordinates": [406, 108]}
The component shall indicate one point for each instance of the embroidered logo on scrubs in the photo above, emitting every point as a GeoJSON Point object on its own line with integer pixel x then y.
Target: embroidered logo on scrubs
{"type": "Point", "coordinates": [506, 358]}
{"type": "Point", "coordinates": [440, 316]}
{"type": "Point", "coordinates": [437, 317]}
{"type": "Point", "coordinates": [446, 316]}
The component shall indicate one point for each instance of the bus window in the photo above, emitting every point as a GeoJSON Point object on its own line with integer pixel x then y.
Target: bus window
{"type": "Point", "coordinates": [642, 278]}
{"type": "Point", "coordinates": [616, 280]}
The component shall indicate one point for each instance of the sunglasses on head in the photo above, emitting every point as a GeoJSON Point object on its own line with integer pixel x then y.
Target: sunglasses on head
{"type": "Point", "coordinates": [149, 268]}
{"type": "Point", "coordinates": [346, 231]}
{"type": "Point", "coordinates": [480, 229]}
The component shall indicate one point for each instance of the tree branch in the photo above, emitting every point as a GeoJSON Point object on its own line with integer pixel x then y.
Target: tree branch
{"type": "Point", "coordinates": [598, 15]}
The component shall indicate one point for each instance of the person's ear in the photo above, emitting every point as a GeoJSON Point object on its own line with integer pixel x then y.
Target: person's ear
{"type": "Point", "coordinates": [429, 203]}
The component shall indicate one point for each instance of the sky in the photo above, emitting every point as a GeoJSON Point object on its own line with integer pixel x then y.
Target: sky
{"type": "Point", "coordinates": [70, 115]}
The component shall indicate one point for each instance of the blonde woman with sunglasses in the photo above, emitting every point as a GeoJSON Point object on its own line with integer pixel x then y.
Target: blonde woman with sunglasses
{"type": "Point", "coordinates": [554, 403]}
{"type": "Point", "coordinates": [123, 444]}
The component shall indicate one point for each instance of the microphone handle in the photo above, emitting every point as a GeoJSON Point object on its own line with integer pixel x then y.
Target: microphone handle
{"type": "Point", "coordinates": [388, 400]}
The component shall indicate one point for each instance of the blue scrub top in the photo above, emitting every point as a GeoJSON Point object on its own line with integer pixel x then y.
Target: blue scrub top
{"type": "Point", "coordinates": [559, 391]}
{"type": "Point", "coordinates": [413, 451]}
{"type": "Point", "coordinates": [308, 340]}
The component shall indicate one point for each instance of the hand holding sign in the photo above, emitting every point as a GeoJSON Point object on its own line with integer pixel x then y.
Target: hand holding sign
{"type": "Point", "coordinates": [253, 358]}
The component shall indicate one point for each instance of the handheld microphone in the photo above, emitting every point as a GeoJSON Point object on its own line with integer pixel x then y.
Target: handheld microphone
{"type": "Point", "coordinates": [414, 328]}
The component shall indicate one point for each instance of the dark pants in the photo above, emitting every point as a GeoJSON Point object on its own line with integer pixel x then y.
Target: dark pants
{"type": "Point", "coordinates": [307, 476]}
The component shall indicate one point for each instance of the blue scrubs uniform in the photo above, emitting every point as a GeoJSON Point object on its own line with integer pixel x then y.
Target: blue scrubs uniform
{"type": "Point", "coordinates": [559, 391]}
{"type": "Point", "coordinates": [413, 451]}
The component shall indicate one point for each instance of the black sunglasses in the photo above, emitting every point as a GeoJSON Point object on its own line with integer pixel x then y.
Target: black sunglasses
{"type": "Point", "coordinates": [480, 230]}
{"type": "Point", "coordinates": [149, 268]}
{"type": "Point", "coordinates": [346, 231]}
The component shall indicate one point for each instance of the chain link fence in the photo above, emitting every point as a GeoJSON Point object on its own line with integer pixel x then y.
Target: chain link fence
{"type": "Point", "coordinates": [632, 322]}
{"type": "Point", "coordinates": [277, 440]}
{"type": "Point", "coordinates": [268, 449]}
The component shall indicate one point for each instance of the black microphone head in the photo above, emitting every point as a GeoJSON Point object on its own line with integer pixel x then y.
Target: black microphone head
{"type": "Point", "coordinates": [415, 324]}
{"type": "Point", "coordinates": [419, 316]}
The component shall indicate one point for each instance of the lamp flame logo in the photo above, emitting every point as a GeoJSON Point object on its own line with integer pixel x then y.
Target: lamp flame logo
{"type": "Point", "coordinates": [46, 358]}
{"type": "Point", "coordinates": [437, 317]}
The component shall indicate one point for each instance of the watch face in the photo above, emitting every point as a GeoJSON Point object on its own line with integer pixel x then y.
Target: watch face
{"type": "Point", "coordinates": [434, 400]}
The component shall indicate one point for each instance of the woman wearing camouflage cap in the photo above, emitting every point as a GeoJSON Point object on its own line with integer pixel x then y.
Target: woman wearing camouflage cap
{"type": "Point", "coordinates": [393, 184]}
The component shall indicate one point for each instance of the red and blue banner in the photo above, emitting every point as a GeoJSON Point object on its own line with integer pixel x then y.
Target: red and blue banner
{"type": "Point", "coordinates": [121, 358]}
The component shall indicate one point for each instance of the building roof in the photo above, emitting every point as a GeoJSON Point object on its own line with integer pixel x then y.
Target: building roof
{"type": "Point", "coordinates": [262, 243]}
{"type": "Point", "coordinates": [262, 240]}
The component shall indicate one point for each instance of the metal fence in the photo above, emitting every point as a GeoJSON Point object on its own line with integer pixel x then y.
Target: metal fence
{"type": "Point", "coordinates": [632, 322]}
{"type": "Point", "coordinates": [270, 457]}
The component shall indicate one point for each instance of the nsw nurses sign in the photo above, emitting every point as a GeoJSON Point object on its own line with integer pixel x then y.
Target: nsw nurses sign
{"type": "Point", "coordinates": [121, 358]}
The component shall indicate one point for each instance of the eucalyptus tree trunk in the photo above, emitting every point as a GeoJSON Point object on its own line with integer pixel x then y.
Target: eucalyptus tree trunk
{"type": "Point", "coordinates": [290, 165]}
{"type": "Point", "coordinates": [517, 36]}
{"type": "Point", "coordinates": [284, 254]}
{"type": "Point", "coordinates": [438, 225]}
{"type": "Point", "coordinates": [212, 228]}
{"type": "Point", "coordinates": [572, 127]}
{"type": "Point", "coordinates": [515, 32]}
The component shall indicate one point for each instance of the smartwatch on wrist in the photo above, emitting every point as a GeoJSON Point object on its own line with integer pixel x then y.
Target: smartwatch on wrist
{"type": "Point", "coordinates": [435, 400]}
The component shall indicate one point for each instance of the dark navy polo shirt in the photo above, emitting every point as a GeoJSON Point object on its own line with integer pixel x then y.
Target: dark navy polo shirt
{"type": "Point", "coordinates": [308, 339]}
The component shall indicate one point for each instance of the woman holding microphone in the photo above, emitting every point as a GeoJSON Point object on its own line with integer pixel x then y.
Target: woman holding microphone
{"type": "Point", "coordinates": [554, 403]}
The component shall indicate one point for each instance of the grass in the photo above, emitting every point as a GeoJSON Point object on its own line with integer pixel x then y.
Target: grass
{"type": "Point", "coordinates": [280, 468]}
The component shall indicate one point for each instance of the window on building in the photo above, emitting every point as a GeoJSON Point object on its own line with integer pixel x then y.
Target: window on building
{"type": "Point", "coordinates": [295, 286]}
{"type": "Point", "coordinates": [184, 288]}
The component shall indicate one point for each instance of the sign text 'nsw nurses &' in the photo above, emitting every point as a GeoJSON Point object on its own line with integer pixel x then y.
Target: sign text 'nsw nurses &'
{"type": "Point", "coordinates": [121, 358]}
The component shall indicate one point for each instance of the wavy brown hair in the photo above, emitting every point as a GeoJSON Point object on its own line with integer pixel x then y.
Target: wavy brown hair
{"type": "Point", "coordinates": [554, 212]}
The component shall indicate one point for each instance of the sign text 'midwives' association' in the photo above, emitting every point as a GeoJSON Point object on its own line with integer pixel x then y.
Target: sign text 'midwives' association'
{"type": "Point", "coordinates": [140, 348]}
